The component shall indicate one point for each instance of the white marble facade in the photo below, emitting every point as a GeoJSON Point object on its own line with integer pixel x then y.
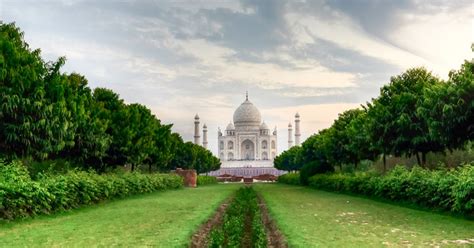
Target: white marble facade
{"type": "Point", "coordinates": [247, 141]}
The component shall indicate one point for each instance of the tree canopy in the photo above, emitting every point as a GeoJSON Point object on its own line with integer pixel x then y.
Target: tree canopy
{"type": "Point", "coordinates": [47, 114]}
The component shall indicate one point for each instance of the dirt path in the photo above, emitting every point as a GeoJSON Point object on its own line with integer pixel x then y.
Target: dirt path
{"type": "Point", "coordinates": [200, 237]}
{"type": "Point", "coordinates": [275, 238]}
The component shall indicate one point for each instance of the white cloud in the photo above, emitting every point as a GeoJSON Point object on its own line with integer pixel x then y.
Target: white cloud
{"type": "Point", "coordinates": [444, 39]}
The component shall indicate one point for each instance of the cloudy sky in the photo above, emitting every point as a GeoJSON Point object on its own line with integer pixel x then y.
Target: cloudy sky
{"type": "Point", "coordinates": [180, 57]}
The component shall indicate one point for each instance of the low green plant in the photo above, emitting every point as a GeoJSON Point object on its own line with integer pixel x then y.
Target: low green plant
{"type": "Point", "coordinates": [205, 180]}
{"type": "Point", "coordinates": [290, 178]}
{"type": "Point", "coordinates": [22, 197]}
{"type": "Point", "coordinates": [313, 168]}
{"type": "Point", "coordinates": [242, 223]}
{"type": "Point", "coordinates": [449, 190]}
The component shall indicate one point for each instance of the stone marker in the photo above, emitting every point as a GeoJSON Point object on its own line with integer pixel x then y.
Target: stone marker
{"type": "Point", "coordinates": [189, 177]}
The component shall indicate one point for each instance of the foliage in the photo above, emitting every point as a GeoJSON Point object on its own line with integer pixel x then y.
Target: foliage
{"type": "Point", "coordinates": [449, 108]}
{"type": "Point", "coordinates": [46, 114]}
{"type": "Point", "coordinates": [289, 160]}
{"type": "Point", "coordinates": [450, 190]}
{"type": "Point", "coordinates": [22, 197]}
{"type": "Point", "coordinates": [415, 114]}
{"type": "Point", "coordinates": [242, 217]}
{"type": "Point", "coordinates": [313, 168]}
{"type": "Point", "coordinates": [409, 133]}
{"type": "Point", "coordinates": [290, 178]}
{"type": "Point", "coordinates": [206, 180]}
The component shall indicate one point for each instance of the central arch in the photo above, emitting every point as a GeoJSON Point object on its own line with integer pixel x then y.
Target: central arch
{"type": "Point", "coordinates": [247, 150]}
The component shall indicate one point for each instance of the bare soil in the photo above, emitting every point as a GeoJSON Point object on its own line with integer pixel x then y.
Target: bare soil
{"type": "Point", "coordinates": [275, 238]}
{"type": "Point", "coordinates": [200, 237]}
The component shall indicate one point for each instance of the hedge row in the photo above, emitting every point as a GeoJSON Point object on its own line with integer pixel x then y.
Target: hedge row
{"type": "Point", "coordinates": [449, 190]}
{"type": "Point", "coordinates": [205, 180]}
{"type": "Point", "coordinates": [22, 197]}
{"type": "Point", "coordinates": [242, 225]}
{"type": "Point", "coordinates": [290, 178]}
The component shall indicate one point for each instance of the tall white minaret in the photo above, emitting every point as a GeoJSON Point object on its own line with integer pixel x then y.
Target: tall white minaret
{"type": "Point", "coordinates": [290, 135]}
{"type": "Point", "coordinates": [297, 129]}
{"type": "Point", "coordinates": [196, 130]}
{"type": "Point", "coordinates": [204, 136]}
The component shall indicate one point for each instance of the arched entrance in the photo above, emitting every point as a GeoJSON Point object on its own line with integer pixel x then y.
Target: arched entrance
{"type": "Point", "coordinates": [247, 150]}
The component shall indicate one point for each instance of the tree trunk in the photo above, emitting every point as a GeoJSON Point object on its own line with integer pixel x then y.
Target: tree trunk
{"type": "Point", "coordinates": [384, 163]}
{"type": "Point", "coordinates": [133, 167]}
{"type": "Point", "coordinates": [423, 159]}
{"type": "Point", "coordinates": [418, 159]}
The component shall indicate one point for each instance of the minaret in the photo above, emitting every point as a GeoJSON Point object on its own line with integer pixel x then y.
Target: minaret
{"type": "Point", "coordinates": [297, 129]}
{"type": "Point", "coordinates": [290, 136]}
{"type": "Point", "coordinates": [196, 130]}
{"type": "Point", "coordinates": [204, 136]}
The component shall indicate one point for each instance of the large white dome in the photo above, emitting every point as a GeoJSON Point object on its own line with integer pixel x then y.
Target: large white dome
{"type": "Point", "coordinates": [247, 115]}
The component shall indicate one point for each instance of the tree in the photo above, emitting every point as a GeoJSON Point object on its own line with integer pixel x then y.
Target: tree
{"type": "Point", "coordinates": [314, 155]}
{"type": "Point", "coordinates": [360, 145]}
{"type": "Point", "coordinates": [395, 125]}
{"type": "Point", "coordinates": [90, 138]}
{"type": "Point", "coordinates": [34, 119]}
{"type": "Point", "coordinates": [449, 108]}
{"type": "Point", "coordinates": [289, 160]}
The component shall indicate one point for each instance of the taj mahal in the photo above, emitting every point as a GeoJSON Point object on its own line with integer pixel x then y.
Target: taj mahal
{"type": "Point", "coordinates": [247, 145]}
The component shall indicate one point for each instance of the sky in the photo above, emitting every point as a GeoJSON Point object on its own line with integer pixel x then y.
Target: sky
{"type": "Point", "coordinates": [179, 58]}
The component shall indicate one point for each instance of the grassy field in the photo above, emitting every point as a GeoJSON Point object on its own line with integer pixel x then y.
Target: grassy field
{"type": "Point", "coordinates": [312, 218]}
{"type": "Point", "coordinates": [163, 219]}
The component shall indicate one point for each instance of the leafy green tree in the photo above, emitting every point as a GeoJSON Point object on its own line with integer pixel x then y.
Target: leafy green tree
{"type": "Point", "coordinates": [289, 160]}
{"type": "Point", "coordinates": [113, 111]}
{"type": "Point", "coordinates": [90, 138]}
{"type": "Point", "coordinates": [315, 156]}
{"type": "Point", "coordinates": [34, 119]}
{"type": "Point", "coordinates": [339, 135]}
{"type": "Point", "coordinates": [449, 108]}
{"type": "Point", "coordinates": [360, 145]}
{"type": "Point", "coordinates": [396, 126]}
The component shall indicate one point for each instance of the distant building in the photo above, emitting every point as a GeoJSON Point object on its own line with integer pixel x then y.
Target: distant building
{"type": "Point", "coordinates": [247, 142]}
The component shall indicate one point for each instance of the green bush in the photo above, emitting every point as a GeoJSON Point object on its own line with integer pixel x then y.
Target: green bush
{"type": "Point", "coordinates": [450, 190]}
{"type": "Point", "coordinates": [22, 197]}
{"type": "Point", "coordinates": [242, 216]}
{"type": "Point", "coordinates": [205, 180]}
{"type": "Point", "coordinates": [290, 178]}
{"type": "Point", "coordinates": [313, 168]}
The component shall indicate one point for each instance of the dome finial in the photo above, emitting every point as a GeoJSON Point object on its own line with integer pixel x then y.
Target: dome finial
{"type": "Point", "coordinates": [246, 95]}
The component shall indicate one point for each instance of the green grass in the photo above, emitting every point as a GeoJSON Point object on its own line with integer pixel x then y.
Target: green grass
{"type": "Point", "coordinates": [312, 218]}
{"type": "Point", "coordinates": [162, 219]}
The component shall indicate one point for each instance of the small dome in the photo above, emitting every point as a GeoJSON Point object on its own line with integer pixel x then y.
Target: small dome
{"type": "Point", "coordinates": [289, 124]}
{"type": "Point", "coordinates": [297, 115]}
{"type": "Point", "coordinates": [205, 126]}
{"type": "Point", "coordinates": [264, 126]}
{"type": "Point", "coordinates": [247, 115]}
{"type": "Point", "coordinates": [230, 126]}
{"type": "Point", "coordinates": [196, 117]}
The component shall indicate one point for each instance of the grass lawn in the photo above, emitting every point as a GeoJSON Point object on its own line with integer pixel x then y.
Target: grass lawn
{"type": "Point", "coordinates": [162, 219]}
{"type": "Point", "coordinates": [312, 218]}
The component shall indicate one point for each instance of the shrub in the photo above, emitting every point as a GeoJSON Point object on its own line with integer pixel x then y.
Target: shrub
{"type": "Point", "coordinates": [205, 180]}
{"type": "Point", "coordinates": [290, 178]}
{"type": "Point", "coordinates": [25, 197]}
{"type": "Point", "coordinates": [313, 168]}
{"type": "Point", "coordinates": [241, 217]}
{"type": "Point", "coordinates": [450, 190]}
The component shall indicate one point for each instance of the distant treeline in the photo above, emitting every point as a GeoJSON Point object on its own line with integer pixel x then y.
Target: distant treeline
{"type": "Point", "coordinates": [47, 114]}
{"type": "Point", "coordinates": [415, 114]}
